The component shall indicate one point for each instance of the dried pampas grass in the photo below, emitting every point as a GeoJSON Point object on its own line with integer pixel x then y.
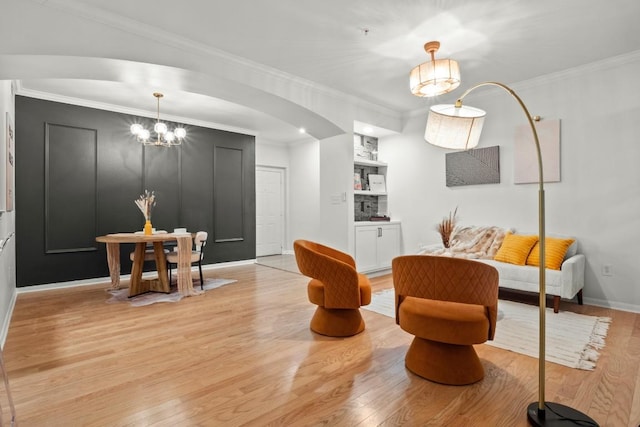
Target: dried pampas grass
{"type": "Point", "coordinates": [446, 226]}
{"type": "Point", "coordinates": [146, 202]}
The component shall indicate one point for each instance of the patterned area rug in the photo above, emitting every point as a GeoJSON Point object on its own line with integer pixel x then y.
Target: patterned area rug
{"type": "Point", "coordinates": [121, 295]}
{"type": "Point", "coordinates": [572, 339]}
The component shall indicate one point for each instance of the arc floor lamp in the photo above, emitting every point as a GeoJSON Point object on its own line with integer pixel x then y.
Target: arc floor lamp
{"type": "Point", "coordinates": [459, 127]}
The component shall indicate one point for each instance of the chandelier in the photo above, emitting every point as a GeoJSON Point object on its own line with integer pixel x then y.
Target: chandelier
{"type": "Point", "coordinates": [434, 77]}
{"type": "Point", "coordinates": [164, 137]}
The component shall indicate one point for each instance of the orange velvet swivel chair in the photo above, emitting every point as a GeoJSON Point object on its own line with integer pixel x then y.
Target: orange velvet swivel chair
{"type": "Point", "coordinates": [449, 304]}
{"type": "Point", "coordinates": [335, 287]}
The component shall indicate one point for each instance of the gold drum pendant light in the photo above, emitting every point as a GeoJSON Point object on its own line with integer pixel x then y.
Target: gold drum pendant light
{"type": "Point", "coordinates": [434, 77]}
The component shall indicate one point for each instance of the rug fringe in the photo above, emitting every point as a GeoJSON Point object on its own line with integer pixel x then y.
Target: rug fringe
{"type": "Point", "coordinates": [586, 365]}
{"type": "Point", "coordinates": [600, 331]}
{"type": "Point", "coordinates": [591, 354]}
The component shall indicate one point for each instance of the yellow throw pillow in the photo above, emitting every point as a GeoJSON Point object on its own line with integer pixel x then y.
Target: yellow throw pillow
{"type": "Point", "coordinates": [554, 252]}
{"type": "Point", "coordinates": [515, 248]}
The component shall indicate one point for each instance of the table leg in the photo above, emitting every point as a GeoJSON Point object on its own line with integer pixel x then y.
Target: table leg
{"type": "Point", "coordinates": [161, 268]}
{"type": "Point", "coordinates": [135, 284]}
{"type": "Point", "coordinates": [113, 261]}
{"type": "Point", "coordinates": [185, 282]}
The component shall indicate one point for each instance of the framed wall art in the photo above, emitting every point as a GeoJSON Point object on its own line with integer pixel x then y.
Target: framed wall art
{"type": "Point", "coordinates": [525, 158]}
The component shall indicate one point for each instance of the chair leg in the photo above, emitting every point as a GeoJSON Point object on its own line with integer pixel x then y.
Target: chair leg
{"type": "Point", "coordinates": [337, 322]}
{"type": "Point", "coordinates": [444, 363]}
{"type": "Point", "coordinates": [201, 279]}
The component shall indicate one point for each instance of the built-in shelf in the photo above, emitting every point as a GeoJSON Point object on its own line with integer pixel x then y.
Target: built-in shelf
{"type": "Point", "coordinates": [369, 193]}
{"type": "Point", "coordinates": [367, 203]}
{"type": "Point", "coordinates": [366, 162]}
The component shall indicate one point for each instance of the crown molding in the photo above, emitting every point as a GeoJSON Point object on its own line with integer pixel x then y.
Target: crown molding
{"type": "Point", "coordinates": [592, 67]}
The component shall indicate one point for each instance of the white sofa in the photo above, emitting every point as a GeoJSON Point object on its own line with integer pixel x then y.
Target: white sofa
{"type": "Point", "coordinates": [564, 283]}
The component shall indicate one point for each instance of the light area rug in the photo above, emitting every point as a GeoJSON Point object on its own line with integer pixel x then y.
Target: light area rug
{"type": "Point", "coordinates": [572, 339]}
{"type": "Point", "coordinates": [122, 295]}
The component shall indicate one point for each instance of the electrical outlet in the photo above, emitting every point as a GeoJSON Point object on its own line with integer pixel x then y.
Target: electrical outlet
{"type": "Point", "coordinates": [607, 270]}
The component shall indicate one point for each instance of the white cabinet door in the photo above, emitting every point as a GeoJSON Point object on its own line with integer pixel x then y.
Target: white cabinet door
{"type": "Point", "coordinates": [388, 244]}
{"type": "Point", "coordinates": [366, 248]}
{"type": "Point", "coordinates": [376, 246]}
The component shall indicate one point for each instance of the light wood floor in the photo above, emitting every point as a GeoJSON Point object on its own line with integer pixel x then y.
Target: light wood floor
{"type": "Point", "coordinates": [243, 354]}
{"type": "Point", "coordinates": [281, 262]}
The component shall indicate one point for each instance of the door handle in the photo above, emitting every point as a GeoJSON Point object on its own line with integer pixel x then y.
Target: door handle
{"type": "Point", "coordinates": [379, 231]}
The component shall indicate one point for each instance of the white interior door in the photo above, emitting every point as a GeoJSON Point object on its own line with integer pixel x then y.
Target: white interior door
{"type": "Point", "coordinates": [269, 211]}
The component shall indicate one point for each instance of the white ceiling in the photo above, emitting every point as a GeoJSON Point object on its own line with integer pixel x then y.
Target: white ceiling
{"type": "Point", "coordinates": [363, 49]}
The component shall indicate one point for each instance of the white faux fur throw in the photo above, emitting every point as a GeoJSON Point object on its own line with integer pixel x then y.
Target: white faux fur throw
{"type": "Point", "coordinates": [474, 242]}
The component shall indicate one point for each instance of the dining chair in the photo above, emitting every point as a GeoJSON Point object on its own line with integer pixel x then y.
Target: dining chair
{"type": "Point", "coordinates": [197, 254]}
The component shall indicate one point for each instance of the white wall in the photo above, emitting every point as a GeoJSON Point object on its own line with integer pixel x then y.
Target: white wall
{"type": "Point", "coordinates": [319, 181]}
{"type": "Point", "coordinates": [271, 154]}
{"type": "Point", "coordinates": [302, 162]}
{"type": "Point", "coordinates": [304, 191]}
{"type": "Point", "coordinates": [7, 225]}
{"type": "Point", "coordinates": [597, 200]}
{"type": "Point", "coordinates": [336, 191]}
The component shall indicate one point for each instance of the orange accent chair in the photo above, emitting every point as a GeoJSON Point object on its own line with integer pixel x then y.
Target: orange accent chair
{"type": "Point", "coordinates": [449, 304]}
{"type": "Point", "coordinates": [335, 287]}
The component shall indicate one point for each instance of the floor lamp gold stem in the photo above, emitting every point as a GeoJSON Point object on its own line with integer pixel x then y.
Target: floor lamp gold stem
{"type": "Point", "coordinates": [541, 234]}
{"type": "Point", "coordinates": [539, 413]}
{"type": "Point", "coordinates": [458, 128]}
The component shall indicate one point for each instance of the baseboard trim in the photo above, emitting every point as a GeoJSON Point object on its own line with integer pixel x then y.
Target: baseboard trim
{"type": "Point", "coordinates": [532, 298]}
{"type": "Point", "coordinates": [7, 319]}
{"type": "Point", "coordinates": [99, 280]}
{"type": "Point", "coordinates": [633, 308]}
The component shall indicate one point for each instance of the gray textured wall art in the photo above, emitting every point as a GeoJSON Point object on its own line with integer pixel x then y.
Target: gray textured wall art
{"type": "Point", "coordinates": [477, 166]}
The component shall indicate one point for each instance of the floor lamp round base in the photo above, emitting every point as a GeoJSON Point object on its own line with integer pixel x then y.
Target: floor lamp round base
{"type": "Point", "coordinates": [556, 414]}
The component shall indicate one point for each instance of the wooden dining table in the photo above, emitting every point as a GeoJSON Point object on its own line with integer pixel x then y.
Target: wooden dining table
{"type": "Point", "coordinates": [138, 285]}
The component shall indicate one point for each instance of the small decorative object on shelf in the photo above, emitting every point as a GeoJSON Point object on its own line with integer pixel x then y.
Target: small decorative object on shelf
{"type": "Point", "coordinates": [376, 183]}
{"type": "Point", "coordinates": [146, 202]}
{"type": "Point", "coordinates": [357, 182]}
{"type": "Point", "coordinates": [446, 226]}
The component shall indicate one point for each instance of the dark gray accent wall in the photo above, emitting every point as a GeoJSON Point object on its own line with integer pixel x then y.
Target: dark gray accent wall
{"type": "Point", "coordinates": [78, 172]}
{"type": "Point", "coordinates": [69, 230]}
